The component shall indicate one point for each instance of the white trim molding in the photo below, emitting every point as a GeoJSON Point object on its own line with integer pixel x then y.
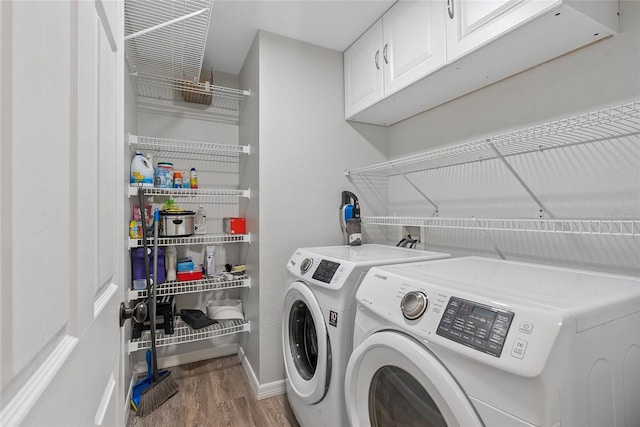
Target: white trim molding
{"type": "Point", "coordinates": [261, 391]}
{"type": "Point", "coordinates": [18, 408]}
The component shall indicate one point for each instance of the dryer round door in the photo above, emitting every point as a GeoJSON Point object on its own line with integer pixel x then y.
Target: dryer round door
{"type": "Point", "coordinates": [393, 380]}
{"type": "Point", "coordinates": [306, 349]}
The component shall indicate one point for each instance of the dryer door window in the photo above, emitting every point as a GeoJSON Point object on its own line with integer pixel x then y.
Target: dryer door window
{"type": "Point", "coordinates": [393, 380]}
{"type": "Point", "coordinates": [398, 399]}
{"type": "Point", "coordinates": [303, 340]}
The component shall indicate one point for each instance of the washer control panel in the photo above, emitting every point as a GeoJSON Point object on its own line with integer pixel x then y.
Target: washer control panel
{"type": "Point", "coordinates": [325, 271]}
{"type": "Point", "coordinates": [475, 325]}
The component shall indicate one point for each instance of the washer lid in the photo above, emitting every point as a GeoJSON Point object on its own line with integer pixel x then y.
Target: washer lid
{"type": "Point", "coordinates": [392, 377]}
{"type": "Point", "coordinates": [372, 254]}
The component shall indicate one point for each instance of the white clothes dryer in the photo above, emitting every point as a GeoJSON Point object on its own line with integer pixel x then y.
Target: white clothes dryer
{"type": "Point", "coordinates": [482, 342]}
{"type": "Point", "coordinates": [317, 328]}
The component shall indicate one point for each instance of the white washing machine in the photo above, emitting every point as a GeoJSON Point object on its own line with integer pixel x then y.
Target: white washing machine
{"type": "Point", "coordinates": [317, 328]}
{"type": "Point", "coordinates": [474, 341]}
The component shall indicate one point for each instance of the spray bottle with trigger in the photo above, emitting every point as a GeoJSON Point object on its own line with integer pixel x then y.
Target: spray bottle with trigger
{"type": "Point", "coordinates": [350, 222]}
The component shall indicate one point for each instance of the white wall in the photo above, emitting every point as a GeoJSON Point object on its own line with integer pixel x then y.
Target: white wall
{"type": "Point", "coordinates": [249, 130]}
{"type": "Point", "coordinates": [302, 147]}
{"type": "Point", "coordinates": [597, 180]}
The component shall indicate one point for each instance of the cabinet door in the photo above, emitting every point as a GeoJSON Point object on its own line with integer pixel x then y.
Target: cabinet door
{"type": "Point", "coordinates": [414, 42]}
{"type": "Point", "coordinates": [470, 24]}
{"type": "Point", "coordinates": [363, 71]}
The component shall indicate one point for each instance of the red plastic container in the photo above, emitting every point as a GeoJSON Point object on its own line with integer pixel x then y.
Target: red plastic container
{"type": "Point", "coordinates": [189, 275]}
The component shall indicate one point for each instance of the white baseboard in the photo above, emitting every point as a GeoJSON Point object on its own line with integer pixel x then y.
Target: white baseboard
{"type": "Point", "coordinates": [261, 391]}
{"type": "Point", "coordinates": [194, 356]}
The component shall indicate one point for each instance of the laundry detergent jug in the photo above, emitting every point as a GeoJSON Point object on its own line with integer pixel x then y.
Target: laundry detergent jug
{"type": "Point", "coordinates": [141, 171]}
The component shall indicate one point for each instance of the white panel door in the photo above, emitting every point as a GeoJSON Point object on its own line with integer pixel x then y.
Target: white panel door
{"type": "Point", "coordinates": [414, 44]}
{"type": "Point", "coordinates": [363, 79]}
{"type": "Point", "coordinates": [472, 23]}
{"type": "Point", "coordinates": [62, 221]}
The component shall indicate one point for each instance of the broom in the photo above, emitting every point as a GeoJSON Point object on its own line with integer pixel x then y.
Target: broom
{"type": "Point", "coordinates": [162, 387]}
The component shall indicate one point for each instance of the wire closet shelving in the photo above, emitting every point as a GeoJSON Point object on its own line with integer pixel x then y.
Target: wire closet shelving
{"type": "Point", "coordinates": [193, 286]}
{"type": "Point", "coordinates": [164, 47]}
{"type": "Point", "coordinates": [606, 124]}
{"type": "Point", "coordinates": [184, 333]}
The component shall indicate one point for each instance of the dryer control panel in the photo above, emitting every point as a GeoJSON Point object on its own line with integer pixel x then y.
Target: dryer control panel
{"type": "Point", "coordinates": [475, 325]}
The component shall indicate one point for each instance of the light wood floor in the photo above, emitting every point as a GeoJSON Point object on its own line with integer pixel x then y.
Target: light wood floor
{"type": "Point", "coordinates": [213, 393]}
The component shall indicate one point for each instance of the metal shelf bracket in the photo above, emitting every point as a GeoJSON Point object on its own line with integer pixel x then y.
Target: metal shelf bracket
{"type": "Point", "coordinates": [542, 208]}
{"type": "Point", "coordinates": [411, 183]}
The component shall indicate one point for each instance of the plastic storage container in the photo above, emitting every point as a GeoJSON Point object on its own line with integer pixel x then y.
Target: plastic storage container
{"type": "Point", "coordinates": [189, 275]}
{"type": "Point", "coordinates": [164, 175]}
{"type": "Point", "coordinates": [137, 264]}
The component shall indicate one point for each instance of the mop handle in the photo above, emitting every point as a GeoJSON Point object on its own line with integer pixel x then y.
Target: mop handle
{"type": "Point", "coordinates": [152, 296]}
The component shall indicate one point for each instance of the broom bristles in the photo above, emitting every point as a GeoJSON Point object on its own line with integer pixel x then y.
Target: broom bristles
{"type": "Point", "coordinates": [157, 394]}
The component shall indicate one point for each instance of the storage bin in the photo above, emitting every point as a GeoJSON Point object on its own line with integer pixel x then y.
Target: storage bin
{"type": "Point", "coordinates": [137, 264]}
{"type": "Point", "coordinates": [189, 275]}
{"type": "Point", "coordinates": [197, 97]}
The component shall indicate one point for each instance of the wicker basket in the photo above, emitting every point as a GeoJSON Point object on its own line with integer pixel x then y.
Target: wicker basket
{"type": "Point", "coordinates": [198, 97]}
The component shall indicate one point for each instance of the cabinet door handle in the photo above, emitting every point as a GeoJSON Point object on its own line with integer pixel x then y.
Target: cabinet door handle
{"type": "Point", "coordinates": [376, 59]}
{"type": "Point", "coordinates": [450, 8]}
{"type": "Point", "coordinates": [384, 53]}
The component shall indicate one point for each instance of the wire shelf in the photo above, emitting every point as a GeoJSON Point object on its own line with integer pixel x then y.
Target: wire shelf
{"type": "Point", "coordinates": [209, 192]}
{"type": "Point", "coordinates": [614, 122]}
{"type": "Point", "coordinates": [175, 50]}
{"type": "Point", "coordinates": [173, 89]}
{"type": "Point", "coordinates": [164, 145]}
{"type": "Point", "coordinates": [184, 333]}
{"type": "Point", "coordinates": [208, 239]}
{"type": "Point", "coordinates": [618, 227]}
{"type": "Point", "coordinates": [193, 286]}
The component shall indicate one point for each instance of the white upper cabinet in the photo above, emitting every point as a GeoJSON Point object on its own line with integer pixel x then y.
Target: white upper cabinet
{"type": "Point", "coordinates": [363, 71]}
{"type": "Point", "coordinates": [421, 54]}
{"type": "Point", "coordinates": [403, 46]}
{"type": "Point", "coordinates": [413, 42]}
{"type": "Point", "coordinates": [471, 24]}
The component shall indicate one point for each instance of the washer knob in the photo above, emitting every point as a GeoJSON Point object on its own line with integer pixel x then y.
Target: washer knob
{"type": "Point", "coordinates": [305, 265]}
{"type": "Point", "coordinates": [414, 304]}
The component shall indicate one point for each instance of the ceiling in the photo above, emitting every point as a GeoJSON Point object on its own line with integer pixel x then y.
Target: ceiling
{"type": "Point", "coordinates": [333, 24]}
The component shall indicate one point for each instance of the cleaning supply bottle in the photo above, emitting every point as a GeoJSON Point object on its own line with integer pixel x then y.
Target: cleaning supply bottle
{"type": "Point", "coordinates": [193, 178]}
{"type": "Point", "coordinates": [210, 261]}
{"type": "Point", "coordinates": [177, 179]}
{"type": "Point", "coordinates": [141, 171]}
{"type": "Point", "coordinates": [170, 262]}
{"type": "Point", "coordinates": [200, 226]}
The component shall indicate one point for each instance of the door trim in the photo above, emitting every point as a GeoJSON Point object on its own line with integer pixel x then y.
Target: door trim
{"type": "Point", "coordinates": [18, 408]}
{"type": "Point", "coordinates": [391, 348]}
{"type": "Point", "coordinates": [313, 390]}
